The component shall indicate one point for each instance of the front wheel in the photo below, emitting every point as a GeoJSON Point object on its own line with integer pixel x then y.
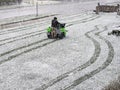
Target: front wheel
{"type": "Point", "coordinates": [49, 35]}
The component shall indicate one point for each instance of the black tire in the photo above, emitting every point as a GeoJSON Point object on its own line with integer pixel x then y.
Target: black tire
{"type": "Point", "coordinates": [49, 36]}
{"type": "Point", "coordinates": [61, 36]}
{"type": "Point", "coordinates": [117, 34]}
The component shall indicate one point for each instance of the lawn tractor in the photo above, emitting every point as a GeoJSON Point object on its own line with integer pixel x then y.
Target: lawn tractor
{"type": "Point", "coordinates": [56, 33]}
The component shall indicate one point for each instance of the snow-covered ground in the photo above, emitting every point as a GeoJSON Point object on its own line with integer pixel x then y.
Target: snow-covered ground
{"type": "Point", "coordinates": [87, 59]}
{"type": "Point", "coordinates": [48, 2]}
{"type": "Point", "coordinates": [64, 8]}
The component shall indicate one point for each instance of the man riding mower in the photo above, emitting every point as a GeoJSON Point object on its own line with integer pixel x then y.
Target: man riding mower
{"type": "Point", "coordinates": [57, 30]}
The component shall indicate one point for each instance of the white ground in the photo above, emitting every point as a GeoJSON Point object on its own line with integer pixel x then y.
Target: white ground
{"type": "Point", "coordinates": [64, 8]}
{"type": "Point", "coordinates": [87, 59]}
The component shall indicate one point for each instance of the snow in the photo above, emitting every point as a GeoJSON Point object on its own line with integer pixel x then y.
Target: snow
{"type": "Point", "coordinates": [64, 8]}
{"type": "Point", "coordinates": [28, 63]}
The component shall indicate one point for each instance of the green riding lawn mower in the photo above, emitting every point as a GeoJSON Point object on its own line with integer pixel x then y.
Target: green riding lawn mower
{"type": "Point", "coordinates": [56, 33]}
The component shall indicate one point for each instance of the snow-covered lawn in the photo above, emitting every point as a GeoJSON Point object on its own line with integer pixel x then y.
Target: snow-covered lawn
{"type": "Point", "coordinates": [29, 63]}
{"type": "Point", "coordinates": [86, 59]}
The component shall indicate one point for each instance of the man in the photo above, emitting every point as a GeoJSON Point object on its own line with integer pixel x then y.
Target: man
{"type": "Point", "coordinates": [55, 27]}
{"type": "Point", "coordinates": [55, 23]}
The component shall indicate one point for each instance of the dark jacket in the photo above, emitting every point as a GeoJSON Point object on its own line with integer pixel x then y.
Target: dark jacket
{"type": "Point", "coordinates": [55, 23]}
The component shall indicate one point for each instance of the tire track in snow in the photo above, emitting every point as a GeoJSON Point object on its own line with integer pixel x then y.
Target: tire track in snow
{"type": "Point", "coordinates": [22, 36]}
{"type": "Point", "coordinates": [18, 30]}
{"type": "Point", "coordinates": [13, 56]}
{"type": "Point", "coordinates": [32, 19]}
{"type": "Point", "coordinates": [79, 68]}
{"type": "Point", "coordinates": [25, 34]}
{"type": "Point", "coordinates": [102, 67]}
{"type": "Point", "coordinates": [25, 51]}
{"type": "Point", "coordinates": [34, 43]}
{"type": "Point", "coordinates": [83, 21]}
{"type": "Point", "coordinates": [29, 27]}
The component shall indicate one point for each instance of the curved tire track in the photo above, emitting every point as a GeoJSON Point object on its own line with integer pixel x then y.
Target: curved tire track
{"type": "Point", "coordinates": [13, 56]}
{"type": "Point", "coordinates": [79, 68]}
{"type": "Point", "coordinates": [102, 67]}
{"type": "Point", "coordinates": [37, 31]}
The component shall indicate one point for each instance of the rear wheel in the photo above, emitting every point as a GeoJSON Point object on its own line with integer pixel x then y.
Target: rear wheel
{"type": "Point", "coordinates": [61, 36]}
